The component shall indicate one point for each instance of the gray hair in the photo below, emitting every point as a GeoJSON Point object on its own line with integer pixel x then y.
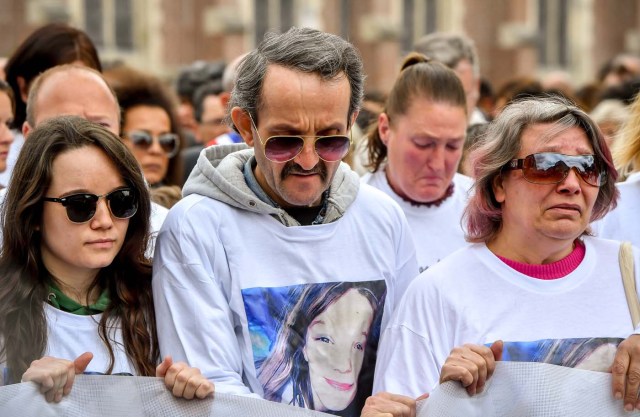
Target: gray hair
{"type": "Point", "coordinates": [230, 73]}
{"type": "Point", "coordinates": [501, 144]}
{"type": "Point", "coordinates": [301, 49]}
{"type": "Point", "coordinates": [450, 49]}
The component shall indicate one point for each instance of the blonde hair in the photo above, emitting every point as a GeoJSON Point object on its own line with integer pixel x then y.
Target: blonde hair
{"type": "Point", "coordinates": [626, 149]}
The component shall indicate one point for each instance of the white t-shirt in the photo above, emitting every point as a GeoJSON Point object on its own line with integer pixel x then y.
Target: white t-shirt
{"type": "Point", "coordinates": [158, 214]}
{"type": "Point", "coordinates": [224, 277]}
{"type": "Point", "coordinates": [70, 335]}
{"type": "Point", "coordinates": [474, 297]}
{"type": "Point", "coordinates": [436, 231]}
{"type": "Point", "coordinates": [622, 222]}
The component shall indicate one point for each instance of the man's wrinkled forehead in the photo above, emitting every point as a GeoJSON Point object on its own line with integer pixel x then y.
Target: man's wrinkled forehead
{"type": "Point", "coordinates": [338, 80]}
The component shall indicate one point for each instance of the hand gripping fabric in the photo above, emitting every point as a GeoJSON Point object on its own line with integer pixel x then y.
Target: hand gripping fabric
{"type": "Point", "coordinates": [529, 389]}
{"type": "Point", "coordinates": [128, 396]}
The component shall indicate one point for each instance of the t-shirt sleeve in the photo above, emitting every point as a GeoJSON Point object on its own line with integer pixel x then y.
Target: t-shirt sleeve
{"type": "Point", "coordinates": [406, 362]}
{"type": "Point", "coordinates": [194, 320]}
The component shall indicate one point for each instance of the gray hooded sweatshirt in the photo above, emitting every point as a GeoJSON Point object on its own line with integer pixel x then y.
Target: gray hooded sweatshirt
{"type": "Point", "coordinates": [218, 174]}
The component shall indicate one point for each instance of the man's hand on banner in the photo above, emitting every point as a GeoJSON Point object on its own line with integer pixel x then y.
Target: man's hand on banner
{"type": "Point", "coordinates": [184, 381]}
{"type": "Point", "coordinates": [472, 365]}
{"type": "Point", "coordinates": [55, 376]}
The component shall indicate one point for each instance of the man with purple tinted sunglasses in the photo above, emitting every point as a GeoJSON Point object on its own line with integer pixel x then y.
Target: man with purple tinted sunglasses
{"type": "Point", "coordinates": [259, 228]}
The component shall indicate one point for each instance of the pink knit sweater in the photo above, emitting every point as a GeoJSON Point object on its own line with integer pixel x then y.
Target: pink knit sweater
{"type": "Point", "coordinates": [553, 270]}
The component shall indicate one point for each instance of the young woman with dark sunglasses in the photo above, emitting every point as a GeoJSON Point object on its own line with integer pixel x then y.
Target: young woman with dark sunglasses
{"type": "Point", "coordinates": [75, 286]}
{"type": "Point", "coordinates": [534, 277]}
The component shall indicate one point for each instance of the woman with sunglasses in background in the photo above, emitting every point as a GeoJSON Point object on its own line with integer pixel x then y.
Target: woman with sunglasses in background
{"type": "Point", "coordinates": [7, 111]}
{"type": "Point", "coordinates": [415, 147]}
{"type": "Point", "coordinates": [75, 286]}
{"type": "Point", "coordinates": [149, 124]}
{"type": "Point", "coordinates": [543, 172]}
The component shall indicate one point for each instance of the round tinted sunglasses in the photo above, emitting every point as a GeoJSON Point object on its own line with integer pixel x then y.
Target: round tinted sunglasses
{"type": "Point", "coordinates": [283, 148]}
{"type": "Point", "coordinates": [552, 168]}
{"type": "Point", "coordinates": [81, 208]}
{"type": "Point", "coordinates": [169, 142]}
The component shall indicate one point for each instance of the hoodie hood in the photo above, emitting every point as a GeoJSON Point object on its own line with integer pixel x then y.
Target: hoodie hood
{"type": "Point", "coordinates": [218, 174]}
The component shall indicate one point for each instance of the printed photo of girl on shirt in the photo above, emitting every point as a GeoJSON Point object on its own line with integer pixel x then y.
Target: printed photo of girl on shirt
{"type": "Point", "coordinates": [314, 345]}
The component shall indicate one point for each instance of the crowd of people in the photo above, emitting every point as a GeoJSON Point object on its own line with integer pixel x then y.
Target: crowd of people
{"type": "Point", "coordinates": [269, 228]}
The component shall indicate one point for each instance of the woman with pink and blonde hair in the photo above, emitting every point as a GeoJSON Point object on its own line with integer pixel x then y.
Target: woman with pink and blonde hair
{"type": "Point", "coordinates": [534, 276]}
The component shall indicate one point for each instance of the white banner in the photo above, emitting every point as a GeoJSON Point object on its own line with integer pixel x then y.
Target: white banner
{"type": "Point", "coordinates": [516, 389]}
{"type": "Point", "coordinates": [529, 389]}
{"type": "Point", "coordinates": [126, 396]}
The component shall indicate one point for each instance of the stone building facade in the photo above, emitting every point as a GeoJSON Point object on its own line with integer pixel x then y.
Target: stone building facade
{"type": "Point", "coordinates": [513, 37]}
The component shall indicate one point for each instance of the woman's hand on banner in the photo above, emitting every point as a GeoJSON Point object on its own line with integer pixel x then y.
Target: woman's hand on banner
{"type": "Point", "coordinates": [472, 365]}
{"type": "Point", "coordinates": [184, 381]}
{"type": "Point", "coordinates": [55, 376]}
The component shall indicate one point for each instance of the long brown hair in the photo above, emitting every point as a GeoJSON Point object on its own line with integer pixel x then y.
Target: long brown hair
{"type": "Point", "coordinates": [46, 47]}
{"type": "Point", "coordinates": [23, 287]}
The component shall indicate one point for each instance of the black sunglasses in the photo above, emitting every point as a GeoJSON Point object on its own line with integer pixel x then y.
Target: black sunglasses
{"type": "Point", "coordinates": [169, 142]}
{"type": "Point", "coordinates": [81, 208]}
{"type": "Point", "coordinates": [552, 168]}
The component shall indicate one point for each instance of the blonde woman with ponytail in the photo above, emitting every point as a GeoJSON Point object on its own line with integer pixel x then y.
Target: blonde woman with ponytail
{"type": "Point", "coordinates": [415, 147]}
